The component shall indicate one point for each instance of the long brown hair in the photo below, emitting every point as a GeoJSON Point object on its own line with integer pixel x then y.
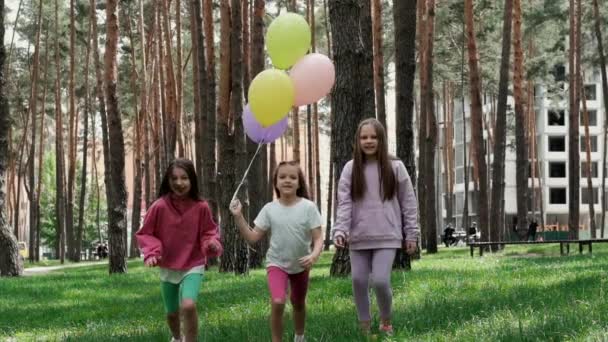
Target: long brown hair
{"type": "Point", "coordinates": [385, 169]}
{"type": "Point", "coordinates": [187, 166]}
{"type": "Point", "coordinates": [302, 188]}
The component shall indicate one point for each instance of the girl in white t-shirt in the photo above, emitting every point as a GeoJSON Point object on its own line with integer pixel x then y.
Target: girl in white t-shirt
{"type": "Point", "coordinates": [294, 222]}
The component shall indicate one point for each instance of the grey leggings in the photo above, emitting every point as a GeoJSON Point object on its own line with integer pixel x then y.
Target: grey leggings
{"type": "Point", "coordinates": [375, 264]}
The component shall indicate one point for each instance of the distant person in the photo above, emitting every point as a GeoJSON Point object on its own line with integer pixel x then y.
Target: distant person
{"type": "Point", "coordinates": [376, 215]}
{"type": "Point", "coordinates": [473, 232]}
{"type": "Point", "coordinates": [99, 251]}
{"type": "Point", "coordinates": [532, 230]}
{"type": "Point", "coordinates": [448, 235]}
{"type": "Point", "coordinates": [178, 236]}
{"type": "Point", "coordinates": [104, 251]}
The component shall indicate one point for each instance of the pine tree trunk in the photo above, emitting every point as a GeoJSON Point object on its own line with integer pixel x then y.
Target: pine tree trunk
{"type": "Point", "coordinates": [590, 197]}
{"type": "Point", "coordinates": [258, 175]}
{"type": "Point", "coordinates": [602, 58]}
{"type": "Point", "coordinates": [500, 131]}
{"type": "Point", "coordinates": [117, 224]}
{"type": "Point", "coordinates": [210, 159]}
{"type": "Point", "coordinates": [348, 97]}
{"type": "Point", "coordinates": [72, 131]}
{"type": "Point", "coordinates": [476, 122]}
{"type": "Point", "coordinates": [378, 61]}
{"type": "Point", "coordinates": [200, 91]}
{"type": "Point", "coordinates": [10, 262]}
{"type": "Point", "coordinates": [521, 143]}
{"type": "Point", "coordinates": [59, 173]}
{"type": "Point", "coordinates": [573, 124]}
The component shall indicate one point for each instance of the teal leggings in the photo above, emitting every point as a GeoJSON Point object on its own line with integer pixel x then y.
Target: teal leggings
{"type": "Point", "coordinates": [173, 294]}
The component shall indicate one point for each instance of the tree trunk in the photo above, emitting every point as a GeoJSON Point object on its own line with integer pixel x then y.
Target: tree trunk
{"type": "Point", "coordinates": [117, 224]}
{"type": "Point", "coordinates": [170, 87]}
{"type": "Point", "coordinates": [598, 36]}
{"type": "Point", "coordinates": [573, 124]}
{"type": "Point", "coordinates": [59, 173]}
{"type": "Point", "coordinates": [476, 122]}
{"type": "Point", "coordinates": [179, 97]}
{"type": "Point", "coordinates": [378, 61]}
{"type": "Point", "coordinates": [521, 143]}
{"type": "Point", "coordinates": [72, 133]}
{"type": "Point", "coordinates": [590, 197]}
{"type": "Point", "coordinates": [348, 97]}
{"type": "Point", "coordinates": [258, 175]}
{"type": "Point", "coordinates": [10, 262]}
{"type": "Point", "coordinates": [210, 159]}
{"type": "Point", "coordinates": [32, 154]}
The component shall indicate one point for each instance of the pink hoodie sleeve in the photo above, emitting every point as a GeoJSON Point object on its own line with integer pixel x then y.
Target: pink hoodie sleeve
{"type": "Point", "coordinates": [149, 244]}
{"type": "Point", "coordinates": [344, 209]}
{"type": "Point", "coordinates": [209, 234]}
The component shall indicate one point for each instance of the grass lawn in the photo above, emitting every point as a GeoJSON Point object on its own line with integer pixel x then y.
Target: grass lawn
{"type": "Point", "coordinates": [522, 294]}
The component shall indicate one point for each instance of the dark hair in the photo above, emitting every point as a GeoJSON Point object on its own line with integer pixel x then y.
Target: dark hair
{"type": "Point", "coordinates": [385, 168]}
{"type": "Point", "coordinates": [302, 188]}
{"type": "Point", "coordinates": [187, 166]}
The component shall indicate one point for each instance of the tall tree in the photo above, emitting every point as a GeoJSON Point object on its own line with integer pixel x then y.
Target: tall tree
{"type": "Point", "coordinates": [59, 172]}
{"type": "Point", "coordinates": [348, 102]}
{"type": "Point", "coordinates": [72, 133]}
{"type": "Point", "coordinates": [32, 154]}
{"type": "Point", "coordinates": [500, 128]}
{"type": "Point", "coordinates": [476, 120]}
{"type": "Point", "coordinates": [521, 143]}
{"type": "Point", "coordinates": [117, 224]}
{"type": "Point", "coordinates": [210, 159]}
{"type": "Point", "coordinates": [258, 175]}
{"type": "Point", "coordinates": [588, 164]}
{"type": "Point", "coordinates": [573, 124]}
{"type": "Point", "coordinates": [378, 60]}
{"type": "Point", "coordinates": [600, 47]}
{"type": "Point", "coordinates": [295, 114]}
{"type": "Point", "coordinates": [10, 263]}
{"type": "Point", "coordinates": [428, 131]}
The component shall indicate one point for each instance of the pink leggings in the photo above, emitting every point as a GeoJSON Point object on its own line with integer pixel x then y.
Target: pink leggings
{"type": "Point", "coordinates": [277, 284]}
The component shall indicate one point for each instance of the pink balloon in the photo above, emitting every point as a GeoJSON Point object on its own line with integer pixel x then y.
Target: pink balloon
{"type": "Point", "coordinates": [313, 77]}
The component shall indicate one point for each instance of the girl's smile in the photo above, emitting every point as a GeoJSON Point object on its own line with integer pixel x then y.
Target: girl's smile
{"type": "Point", "coordinates": [179, 182]}
{"type": "Point", "coordinates": [368, 141]}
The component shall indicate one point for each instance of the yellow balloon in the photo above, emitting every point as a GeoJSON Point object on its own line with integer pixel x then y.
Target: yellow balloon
{"type": "Point", "coordinates": [271, 95]}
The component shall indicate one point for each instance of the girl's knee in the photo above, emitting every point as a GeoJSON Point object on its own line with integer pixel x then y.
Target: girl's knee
{"type": "Point", "coordinates": [278, 301]}
{"type": "Point", "coordinates": [381, 284]}
{"type": "Point", "coordinates": [188, 305]}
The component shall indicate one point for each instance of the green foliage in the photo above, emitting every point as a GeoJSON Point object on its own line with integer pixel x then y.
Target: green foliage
{"type": "Point", "coordinates": [48, 217]}
{"type": "Point", "coordinates": [522, 294]}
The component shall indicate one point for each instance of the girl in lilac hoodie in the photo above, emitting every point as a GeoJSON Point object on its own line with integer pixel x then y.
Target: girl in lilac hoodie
{"type": "Point", "coordinates": [178, 235]}
{"type": "Point", "coordinates": [376, 215]}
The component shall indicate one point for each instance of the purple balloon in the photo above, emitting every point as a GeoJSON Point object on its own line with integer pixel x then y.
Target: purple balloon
{"type": "Point", "coordinates": [259, 134]}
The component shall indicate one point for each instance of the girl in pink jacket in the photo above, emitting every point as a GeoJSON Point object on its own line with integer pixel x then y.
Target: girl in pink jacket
{"type": "Point", "coordinates": [178, 236]}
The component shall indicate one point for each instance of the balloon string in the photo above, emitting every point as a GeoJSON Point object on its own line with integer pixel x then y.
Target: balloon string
{"type": "Point", "coordinates": [246, 172]}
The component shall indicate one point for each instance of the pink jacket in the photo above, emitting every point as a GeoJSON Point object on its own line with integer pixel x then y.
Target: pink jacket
{"type": "Point", "coordinates": [180, 232]}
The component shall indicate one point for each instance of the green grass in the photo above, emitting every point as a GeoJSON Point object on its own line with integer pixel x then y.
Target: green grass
{"type": "Point", "coordinates": [522, 294]}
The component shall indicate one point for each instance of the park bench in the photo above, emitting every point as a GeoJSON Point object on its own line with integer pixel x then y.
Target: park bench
{"type": "Point", "coordinates": [562, 244]}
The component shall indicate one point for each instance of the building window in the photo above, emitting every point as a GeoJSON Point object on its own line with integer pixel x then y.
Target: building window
{"type": "Point", "coordinates": [592, 142]}
{"type": "Point", "coordinates": [585, 196]}
{"type": "Point", "coordinates": [592, 117]}
{"type": "Point", "coordinates": [594, 169]}
{"type": "Point", "coordinates": [557, 144]}
{"type": "Point", "coordinates": [559, 73]}
{"type": "Point", "coordinates": [590, 92]}
{"type": "Point", "coordinates": [557, 169]}
{"type": "Point", "coordinates": [557, 196]}
{"type": "Point", "coordinates": [556, 117]}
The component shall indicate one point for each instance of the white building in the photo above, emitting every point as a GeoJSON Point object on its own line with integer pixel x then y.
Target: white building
{"type": "Point", "coordinates": [552, 153]}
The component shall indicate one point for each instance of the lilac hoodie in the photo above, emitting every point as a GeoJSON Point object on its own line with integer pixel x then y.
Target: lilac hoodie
{"type": "Point", "coordinates": [370, 222]}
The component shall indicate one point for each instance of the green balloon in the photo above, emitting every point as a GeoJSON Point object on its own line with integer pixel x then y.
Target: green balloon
{"type": "Point", "coordinates": [287, 39]}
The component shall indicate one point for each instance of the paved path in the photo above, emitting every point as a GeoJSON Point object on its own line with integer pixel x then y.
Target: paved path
{"type": "Point", "coordinates": [33, 271]}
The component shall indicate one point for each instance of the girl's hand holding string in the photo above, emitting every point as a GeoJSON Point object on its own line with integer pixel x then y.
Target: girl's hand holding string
{"type": "Point", "coordinates": [339, 241]}
{"type": "Point", "coordinates": [236, 207]}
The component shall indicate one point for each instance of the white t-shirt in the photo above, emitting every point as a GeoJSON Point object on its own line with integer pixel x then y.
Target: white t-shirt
{"type": "Point", "coordinates": [290, 232]}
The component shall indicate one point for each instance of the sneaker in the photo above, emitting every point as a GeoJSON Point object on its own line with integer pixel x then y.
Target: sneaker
{"type": "Point", "coordinates": [173, 339]}
{"type": "Point", "coordinates": [386, 329]}
{"type": "Point", "coordinates": [298, 338]}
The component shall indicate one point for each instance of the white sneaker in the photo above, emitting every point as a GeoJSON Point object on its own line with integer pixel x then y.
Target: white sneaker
{"type": "Point", "coordinates": [298, 338]}
{"type": "Point", "coordinates": [173, 339]}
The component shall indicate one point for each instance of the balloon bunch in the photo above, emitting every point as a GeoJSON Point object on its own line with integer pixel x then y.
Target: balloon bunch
{"type": "Point", "coordinates": [273, 92]}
